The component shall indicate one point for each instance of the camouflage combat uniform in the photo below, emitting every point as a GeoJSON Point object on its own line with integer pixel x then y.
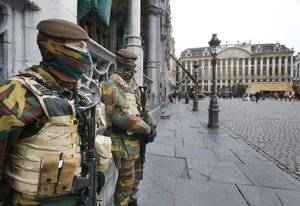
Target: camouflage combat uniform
{"type": "Point", "coordinates": [126, 127]}
{"type": "Point", "coordinates": [21, 117]}
{"type": "Point", "coordinates": [38, 122]}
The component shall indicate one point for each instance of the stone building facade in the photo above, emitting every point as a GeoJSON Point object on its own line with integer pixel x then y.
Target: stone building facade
{"type": "Point", "coordinates": [141, 26]}
{"type": "Point", "coordinates": [238, 64]}
{"type": "Point", "coordinates": [296, 77]}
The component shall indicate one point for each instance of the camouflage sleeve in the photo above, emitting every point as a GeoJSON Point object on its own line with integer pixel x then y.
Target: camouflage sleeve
{"type": "Point", "coordinates": [114, 99]}
{"type": "Point", "coordinates": [18, 107]}
{"type": "Point", "coordinates": [149, 120]}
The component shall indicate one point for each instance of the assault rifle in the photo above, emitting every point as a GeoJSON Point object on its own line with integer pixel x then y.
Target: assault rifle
{"type": "Point", "coordinates": [87, 184]}
{"type": "Point", "coordinates": [143, 143]}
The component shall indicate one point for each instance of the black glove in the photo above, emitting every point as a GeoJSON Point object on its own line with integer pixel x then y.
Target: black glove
{"type": "Point", "coordinates": [101, 181]}
{"type": "Point", "coordinates": [150, 137]}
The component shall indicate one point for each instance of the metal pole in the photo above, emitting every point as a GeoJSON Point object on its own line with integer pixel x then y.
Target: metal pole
{"type": "Point", "coordinates": [195, 102]}
{"type": "Point", "coordinates": [213, 110]}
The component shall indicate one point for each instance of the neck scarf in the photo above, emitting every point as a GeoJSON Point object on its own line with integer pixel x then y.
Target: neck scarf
{"type": "Point", "coordinates": [126, 70]}
{"type": "Point", "coordinates": [65, 63]}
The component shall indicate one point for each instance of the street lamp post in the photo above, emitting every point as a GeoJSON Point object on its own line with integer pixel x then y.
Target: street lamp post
{"type": "Point", "coordinates": [187, 98]}
{"type": "Point", "coordinates": [195, 102]}
{"type": "Point", "coordinates": [213, 110]}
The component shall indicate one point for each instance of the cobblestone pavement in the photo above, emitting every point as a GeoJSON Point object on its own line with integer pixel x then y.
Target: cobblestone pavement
{"type": "Point", "coordinates": [270, 127]}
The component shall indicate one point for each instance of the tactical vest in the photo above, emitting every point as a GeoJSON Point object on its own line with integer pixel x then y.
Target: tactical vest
{"type": "Point", "coordinates": [45, 163]}
{"type": "Point", "coordinates": [131, 96]}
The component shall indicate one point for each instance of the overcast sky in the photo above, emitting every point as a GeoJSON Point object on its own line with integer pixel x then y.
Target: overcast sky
{"type": "Point", "coordinates": [261, 21]}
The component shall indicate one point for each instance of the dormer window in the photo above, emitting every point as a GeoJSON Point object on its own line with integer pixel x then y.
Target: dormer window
{"type": "Point", "coordinates": [258, 49]}
{"type": "Point", "coordinates": [188, 53]}
{"type": "Point", "coordinates": [277, 47]}
{"type": "Point", "coordinates": [205, 53]}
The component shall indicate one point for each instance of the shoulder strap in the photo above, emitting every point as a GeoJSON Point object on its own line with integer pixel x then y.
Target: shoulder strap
{"type": "Point", "coordinates": [42, 86]}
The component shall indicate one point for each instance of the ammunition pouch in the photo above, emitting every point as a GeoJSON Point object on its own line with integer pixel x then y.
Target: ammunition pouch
{"type": "Point", "coordinates": [103, 147]}
{"type": "Point", "coordinates": [56, 175]}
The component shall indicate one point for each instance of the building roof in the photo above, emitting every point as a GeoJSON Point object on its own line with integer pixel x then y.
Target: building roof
{"type": "Point", "coordinates": [269, 87]}
{"type": "Point", "coordinates": [253, 49]}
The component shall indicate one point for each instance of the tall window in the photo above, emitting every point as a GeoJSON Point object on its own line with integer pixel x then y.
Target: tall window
{"type": "Point", "coordinates": [188, 66]}
{"type": "Point", "coordinates": [276, 65]}
{"type": "Point", "coordinates": [252, 67]}
{"type": "Point", "coordinates": [234, 67]}
{"type": "Point", "coordinates": [229, 68]}
{"type": "Point", "coordinates": [246, 67]}
{"type": "Point", "coordinates": [218, 68]}
{"type": "Point", "coordinates": [200, 69]}
{"type": "Point", "coordinates": [271, 66]}
{"type": "Point", "coordinates": [282, 65]}
{"type": "Point", "coordinates": [96, 29]}
{"type": "Point", "coordinates": [258, 66]}
{"type": "Point", "coordinates": [206, 69]}
{"type": "Point", "coordinates": [240, 67]}
{"type": "Point", "coordinates": [289, 65]}
{"type": "Point", "coordinates": [264, 71]}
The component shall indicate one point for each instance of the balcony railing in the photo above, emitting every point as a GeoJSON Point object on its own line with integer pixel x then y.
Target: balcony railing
{"type": "Point", "coordinates": [101, 64]}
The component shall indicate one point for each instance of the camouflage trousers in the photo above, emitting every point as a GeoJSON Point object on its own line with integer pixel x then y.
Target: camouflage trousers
{"type": "Point", "coordinates": [128, 181]}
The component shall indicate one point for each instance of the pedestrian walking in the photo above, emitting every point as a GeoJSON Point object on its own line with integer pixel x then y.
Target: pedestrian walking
{"type": "Point", "coordinates": [40, 151]}
{"type": "Point", "coordinates": [126, 127]}
{"type": "Point", "coordinates": [179, 96]}
{"type": "Point", "coordinates": [257, 96]}
{"type": "Point", "coordinates": [170, 98]}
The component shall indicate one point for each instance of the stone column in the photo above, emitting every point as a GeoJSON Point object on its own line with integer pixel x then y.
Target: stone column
{"type": "Point", "coordinates": [134, 42]}
{"type": "Point", "coordinates": [293, 72]}
{"type": "Point", "coordinates": [279, 68]}
{"type": "Point", "coordinates": [221, 73]}
{"type": "Point", "coordinates": [153, 14]}
{"type": "Point", "coordinates": [273, 69]}
{"type": "Point", "coordinates": [255, 68]}
{"type": "Point", "coordinates": [249, 70]}
{"type": "Point", "coordinates": [231, 72]}
{"type": "Point", "coordinates": [226, 72]}
{"type": "Point", "coordinates": [237, 71]}
{"type": "Point", "coordinates": [286, 66]}
{"type": "Point", "coordinates": [261, 66]}
{"type": "Point", "coordinates": [243, 71]}
{"type": "Point", "coordinates": [202, 74]}
{"type": "Point", "coordinates": [268, 70]}
{"type": "Point", "coordinates": [209, 72]}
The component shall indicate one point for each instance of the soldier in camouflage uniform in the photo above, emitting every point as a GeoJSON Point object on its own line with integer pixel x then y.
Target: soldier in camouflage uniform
{"type": "Point", "coordinates": [38, 122]}
{"type": "Point", "coordinates": [122, 99]}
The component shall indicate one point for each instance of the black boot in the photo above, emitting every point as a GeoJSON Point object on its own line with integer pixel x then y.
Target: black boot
{"type": "Point", "coordinates": [133, 203]}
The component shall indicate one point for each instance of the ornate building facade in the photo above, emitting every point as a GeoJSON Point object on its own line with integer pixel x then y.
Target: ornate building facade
{"type": "Point", "coordinates": [238, 64]}
{"type": "Point", "coordinates": [296, 77]}
{"type": "Point", "coordinates": [141, 26]}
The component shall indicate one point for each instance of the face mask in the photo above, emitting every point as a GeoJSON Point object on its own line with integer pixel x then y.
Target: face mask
{"type": "Point", "coordinates": [126, 70]}
{"type": "Point", "coordinates": [66, 63]}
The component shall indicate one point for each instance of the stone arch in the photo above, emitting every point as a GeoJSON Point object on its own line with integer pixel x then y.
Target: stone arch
{"type": "Point", "coordinates": [234, 53]}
